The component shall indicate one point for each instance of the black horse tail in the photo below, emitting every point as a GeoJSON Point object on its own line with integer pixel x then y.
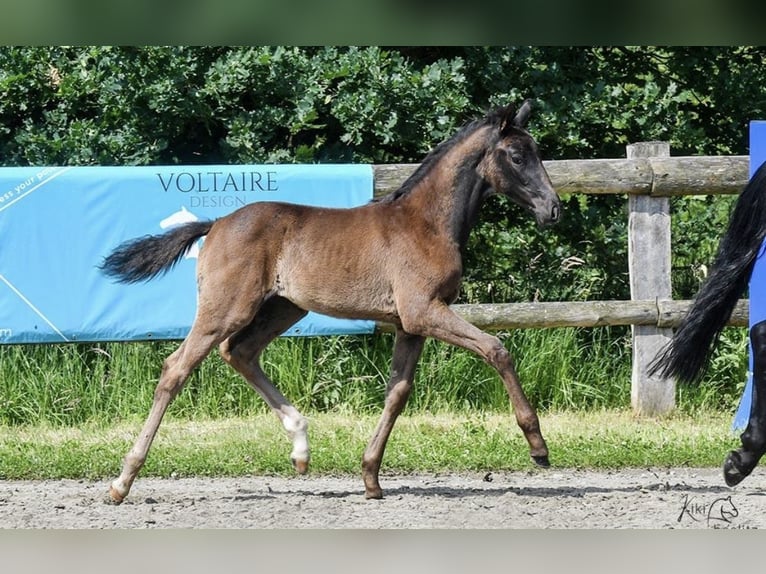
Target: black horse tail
{"type": "Point", "coordinates": [146, 257]}
{"type": "Point", "coordinates": [688, 354]}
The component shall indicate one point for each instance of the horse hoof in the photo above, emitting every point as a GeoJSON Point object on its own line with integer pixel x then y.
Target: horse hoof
{"type": "Point", "coordinates": [300, 466]}
{"type": "Point", "coordinates": [373, 493]}
{"type": "Point", "coordinates": [115, 496]}
{"type": "Point", "coordinates": [731, 472]}
{"type": "Point", "coordinates": [542, 461]}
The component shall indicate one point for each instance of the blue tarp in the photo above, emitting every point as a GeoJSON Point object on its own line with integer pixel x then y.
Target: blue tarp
{"type": "Point", "coordinates": [757, 290]}
{"type": "Point", "coordinates": [58, 223]}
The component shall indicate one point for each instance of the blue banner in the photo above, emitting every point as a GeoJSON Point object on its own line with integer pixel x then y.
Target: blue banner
{"type": "Point", "coordinates": [58, 223]}
{"type": "Point", "coordinates": [757, 290]}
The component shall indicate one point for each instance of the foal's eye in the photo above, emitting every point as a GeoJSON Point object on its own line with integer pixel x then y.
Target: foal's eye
{"type": "Point", "coordinates": [517, 159]}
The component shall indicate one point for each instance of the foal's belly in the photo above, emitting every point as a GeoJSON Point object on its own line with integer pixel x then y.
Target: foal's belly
{"type": "Point", "coordinates": [339, 292]}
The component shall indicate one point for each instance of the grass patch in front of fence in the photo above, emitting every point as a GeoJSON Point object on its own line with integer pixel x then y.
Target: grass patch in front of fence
{"type": "Point", "coordinates": [257, 445]}
{"type": "Point", "coordinates": [560, 369]}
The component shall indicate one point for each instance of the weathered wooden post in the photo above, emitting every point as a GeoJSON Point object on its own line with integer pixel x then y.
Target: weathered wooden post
{"type": "Point", "coordinates": [649, 268]}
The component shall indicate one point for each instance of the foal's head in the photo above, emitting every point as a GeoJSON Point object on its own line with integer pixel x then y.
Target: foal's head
{"type": "Point", "coordinates": [512, 166]}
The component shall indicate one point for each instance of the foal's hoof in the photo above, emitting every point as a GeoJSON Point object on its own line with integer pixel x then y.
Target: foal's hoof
{"type": "Point", "coordinates": [115, 496]}
{"type": "Point", "coordinates": [300, 466]}
{"type": "Point", "coordinates": [542, 461]}
{"type": "Point", "coordinates": [373, 493]}
{"type": "Point", "coordinates": [731, 469]}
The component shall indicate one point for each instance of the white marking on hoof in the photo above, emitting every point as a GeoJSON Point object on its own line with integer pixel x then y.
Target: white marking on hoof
{"type": "Point", "coordinates": [297, 429]}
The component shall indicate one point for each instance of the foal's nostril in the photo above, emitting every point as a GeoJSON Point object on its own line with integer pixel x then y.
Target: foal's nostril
{"type": "Point", "coordinates": [555, 212]}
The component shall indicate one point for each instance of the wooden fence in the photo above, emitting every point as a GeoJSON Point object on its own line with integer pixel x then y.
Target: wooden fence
{"type": "Point", "coordinates": [648, 176]}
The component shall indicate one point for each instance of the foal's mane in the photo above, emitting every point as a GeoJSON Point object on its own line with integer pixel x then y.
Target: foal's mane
{"type": "Point", "coordinates": [493, 117]}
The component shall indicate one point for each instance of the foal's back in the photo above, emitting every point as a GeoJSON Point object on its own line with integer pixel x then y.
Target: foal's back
{"type": "Point", "coordinates": [339, 262]}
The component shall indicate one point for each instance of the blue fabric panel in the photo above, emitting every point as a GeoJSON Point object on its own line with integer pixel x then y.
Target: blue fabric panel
{"type": "Point", "coordinates": [58, 223]}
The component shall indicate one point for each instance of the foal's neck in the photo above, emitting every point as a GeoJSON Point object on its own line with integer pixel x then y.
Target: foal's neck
{"type": "Point", "coordinates": [451, 195]}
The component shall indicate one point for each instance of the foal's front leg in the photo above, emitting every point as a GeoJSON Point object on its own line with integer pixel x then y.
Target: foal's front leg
{"type": "Point", "coordinates": [741, 462]}
{"type": "Point", "coordinates": [441, 322]}
{"type": "Point", "coordinates": [407, 350]}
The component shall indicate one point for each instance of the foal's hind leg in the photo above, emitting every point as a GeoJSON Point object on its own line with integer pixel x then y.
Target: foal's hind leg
{"type": "Point", "coordinates": [741, 462]}
{"type": "Point", "coordinates": [242, 351]}
{"type": "Point", "coordinates": [407, 350]}
{"type": "Point", "coordinates": [218, 316]}
{"type": "Point", "coordinates": [175, 370]}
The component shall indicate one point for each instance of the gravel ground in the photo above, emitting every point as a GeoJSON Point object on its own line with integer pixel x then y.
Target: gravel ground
{"type": "Point", "coordinates": [677, 498]}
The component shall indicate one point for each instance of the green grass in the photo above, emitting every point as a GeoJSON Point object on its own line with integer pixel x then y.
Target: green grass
{"type": "Point", "coordinates": [419, 443]}
{"type": "Point", "coordinates": [74, 410]}
{"type": "Point", "coordinates": [560, 369]}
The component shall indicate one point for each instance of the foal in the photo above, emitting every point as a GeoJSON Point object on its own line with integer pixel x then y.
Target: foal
{"type": "Point", "coordinates": [397, 260]}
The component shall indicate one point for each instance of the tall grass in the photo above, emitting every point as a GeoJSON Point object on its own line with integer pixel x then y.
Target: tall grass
{"type": "Point", "coordinates": [560, 369]}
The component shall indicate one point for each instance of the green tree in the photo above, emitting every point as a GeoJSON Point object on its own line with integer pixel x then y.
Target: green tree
{"type": "Point", "coordinates": [204, 105]}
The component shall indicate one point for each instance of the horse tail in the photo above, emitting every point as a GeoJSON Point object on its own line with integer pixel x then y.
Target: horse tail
{"type": "Point", "coordinates": [146, 257]}
{"type": "Point", "coordinates": [688, 353]}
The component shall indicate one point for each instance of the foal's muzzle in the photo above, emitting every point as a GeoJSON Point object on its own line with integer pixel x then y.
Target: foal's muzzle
{"type": "Point", "coordinates": [548, 212]}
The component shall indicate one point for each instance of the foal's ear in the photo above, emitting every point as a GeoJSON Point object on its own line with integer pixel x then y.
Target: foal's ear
{"type": "Point", "coordinates": [522, 116]}
{"type": "Point", "coordinates": [516, 118]}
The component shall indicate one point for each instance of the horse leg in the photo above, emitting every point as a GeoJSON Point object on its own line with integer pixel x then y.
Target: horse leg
{"type": "Point", "coordinates": [217, 317]}
{"type": "Point", "coordinates": [437, 320]}
{"type": "Point", "coordinates": [175, 370]}
{"type": "Point", "coordinates": [242, 351]}
{"type": "Point", "coordinates": [741, 462]}
{"type": "Point", "coordinates": [407, 350]}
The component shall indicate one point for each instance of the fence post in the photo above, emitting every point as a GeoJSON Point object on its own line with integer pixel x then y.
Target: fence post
{"type": "Point", "coordinates": [649, 269]}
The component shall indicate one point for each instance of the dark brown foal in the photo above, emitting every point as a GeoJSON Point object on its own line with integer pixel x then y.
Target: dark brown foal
{"type": "Point", "coordinates": [397, 260]}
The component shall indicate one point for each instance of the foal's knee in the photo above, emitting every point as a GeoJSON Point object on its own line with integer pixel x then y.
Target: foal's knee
{"type": "Point", "coordinates": [498, 356]}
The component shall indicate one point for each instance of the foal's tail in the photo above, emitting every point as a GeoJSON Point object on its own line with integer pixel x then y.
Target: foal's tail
{"type": "Point", "coordinates": [688, 353]}
{"type": "Point", "coordinates": [146, 257]}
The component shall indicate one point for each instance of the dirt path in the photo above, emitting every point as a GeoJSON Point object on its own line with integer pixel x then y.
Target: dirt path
{"type": "Point", "coordinates": [562, 499]}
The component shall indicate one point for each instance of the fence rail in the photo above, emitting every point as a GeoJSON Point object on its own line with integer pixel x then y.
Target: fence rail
{"type": "Point", "coordinates": [658, 177]}
{"type": "Point", "coordinates": [649, 176]}
{"type": "Point", "coordinates": [546, 315]}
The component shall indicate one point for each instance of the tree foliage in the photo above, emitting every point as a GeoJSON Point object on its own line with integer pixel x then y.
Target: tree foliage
{"type": "Point", "coordinates": [203, 105]}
